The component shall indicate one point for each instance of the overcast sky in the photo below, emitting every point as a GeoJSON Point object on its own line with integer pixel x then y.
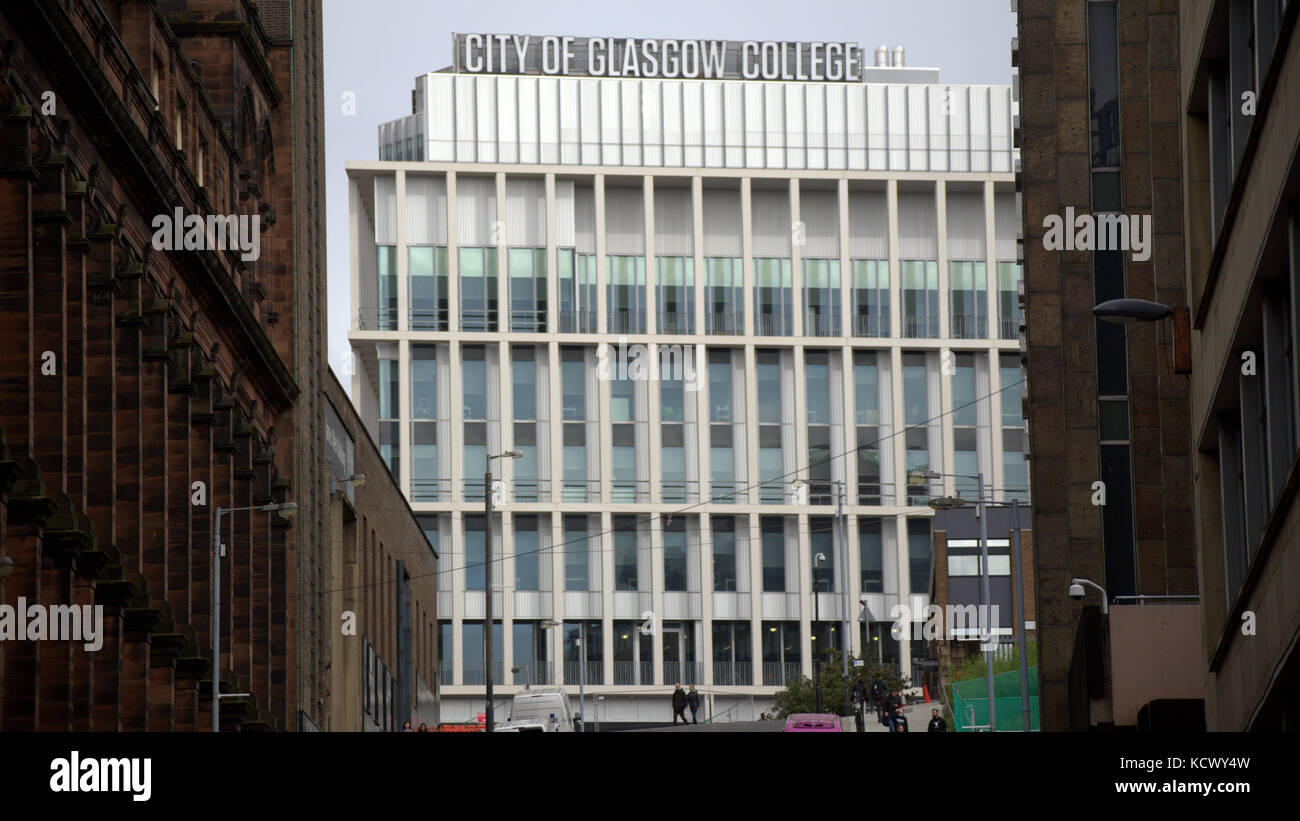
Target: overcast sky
{"type": "Point", "coordinates": [375, 48]}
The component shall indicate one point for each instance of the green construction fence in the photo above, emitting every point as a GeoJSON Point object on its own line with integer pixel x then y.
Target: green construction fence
{"type": "Point", "coordinates": [970, 703]}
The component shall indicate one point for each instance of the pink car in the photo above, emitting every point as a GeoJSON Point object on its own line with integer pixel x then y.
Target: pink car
{"type": "Point", "coordinates": [813, 723]}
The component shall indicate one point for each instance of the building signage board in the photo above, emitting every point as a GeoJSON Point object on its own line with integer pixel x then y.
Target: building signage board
{"type": "Point", "coordinates": [666, 59]}
{"type": "Point", "coordinates": [339, 450]}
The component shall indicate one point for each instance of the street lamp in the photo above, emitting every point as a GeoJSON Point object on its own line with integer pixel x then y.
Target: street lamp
{"type": "Point", "coordinates": [1132, 311]}
{"type": "Point", "coordinates": [6, 566]}
{"type": "Point", "coordinates": [948, 503]}
{"type": "Point", "coordinates": [817, 656]}
{"type": "Point", "coordinates": [356, 480]}
{"type": "Point", "coordinates": [487, 587]}
{"type": "Point", "coordinates": [218, 551]}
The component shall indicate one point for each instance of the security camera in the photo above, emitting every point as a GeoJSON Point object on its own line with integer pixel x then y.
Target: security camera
{"type": "Point", "coordinates": [1076, 591]}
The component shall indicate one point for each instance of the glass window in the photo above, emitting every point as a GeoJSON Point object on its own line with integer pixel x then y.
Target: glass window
{"type": "Point", "coordinates": [772, 298]}
{"type": "Point", "coordinates": [866, 388]}
{"type": "Point", "coordinates": [818, 377]}
{"type": "Point", "coordinates": [1009, 313]}
{"type": "Point", "coordinates": [871, 553]}
{"type": "Point", "coordinates": [526, 546]}
{"type": "Point", "coordinates": [478, 289]}
{"type": "Point", "coordinates": [387, 278]}
{"type": "Point", "coordinates": [871, 297]}
{"type": "Point", "coordinates": [725, 300]}
{"type": "Point", "coordinates": [524, 381]}
{"type": "Point", "coordinates": [1013, 389]}
{"type": "Point", "coordinates": [918, 554]}
{"type": "Point", "coordinates": [672, 455]}
{"type": "Point", "coordinates": [769, 386]}
{"type": "Point", "coordinates": [676, 295]}
{"type": "Point", "coordinates": [773, 555]}
{"type": "Point", "coordinates": [527, 289]}
{"type": "Point", "coordinates": [968, 299]}
{"type": "Point", "coordinates": [623, 470]}
{"type": "Point", "coordinates": [576, 553]}
{"type": "Point", "coordinates": [821, 539]}
{"type": "Point", "coordinates": [1103, 85]}
{"type": "Point", "coordinates": [724, 553]}
{"type": "Point", "coordinates": [474, 375]}
{"type": "Point", "coordinates": [920, 281]}
{"type": "Point", "coordinates": [475, 554]}
{"type": "Point", "coordinates": [424, 382]}
{"type": "Point", "coordinates": [675, 556]}
{"type": "Point", "coordinates": [720, 386]}
{"type": "Point", "coordinates": [822, 294]}
{"type": "Point", "coordinates": [390, 427]}
{"type": "Point", "coordinates": [672, 400]}
{"type": "Point", "coordinates": [916, 406]}
{"type": "Point", "coordinates": [427, 268]}
{"type": "Point", "coordinates": [963, 389]}
{"type": "Point", "coordinates": [625, 294]}
{"type": "Point", "coordinates": [622, 400]}
{"type": "Point", "coordinates": [625, 553]}
{"type": "Point", "coordinates": [575, 462]}
{"type": "Point", "coordinates": [573, 375]}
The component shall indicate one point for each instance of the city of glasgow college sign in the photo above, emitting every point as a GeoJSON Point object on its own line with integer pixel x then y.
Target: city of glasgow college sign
{"type": "Point", "coordinates": [670, 59]}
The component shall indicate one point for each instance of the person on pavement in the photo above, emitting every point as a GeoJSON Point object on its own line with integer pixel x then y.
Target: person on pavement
{"type": "Point", "coordinates": [937, 724]}
{"type": "Point", "coordinates": [679, 705]}
{"type": "Point", "coordinates": [693, 700]}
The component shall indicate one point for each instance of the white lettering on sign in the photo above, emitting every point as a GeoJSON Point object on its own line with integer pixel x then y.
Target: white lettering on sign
{"type": "Point", "coordinates": [668, 58]}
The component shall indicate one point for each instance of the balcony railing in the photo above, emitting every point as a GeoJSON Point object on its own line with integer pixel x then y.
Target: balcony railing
{"type": "Point", "coordinates": [534, 674]}
{"type": "Point", "coordinates": [921, 327]}
{"type": "Point", "coordinates": [869, 325]}
{"type": "Point", "coordinates": [578, 322]}
{"type": "Point", "coordinates": [730, 323]}
{"type": "Point", "coordinates": [573, 672]}
{"type": "Point", "coordinates": [434, 490]}
{"type": "Point", "coordinates": [676, 323]}
{"type": "Point", "coordinates": [869, 492]}
{"type": "Point", "coordinates": [473, 673]}
{"type": "Point", "coordinates": [529, 321]}
{"type": "Point", "coordinates": [819, 323]}
{"type": "Point", "coordinates": [728, 493]}
{"type": "Point", "coordinates": [377, 319]}
{"type": "Point", "coordinates": [969, 326]}
{"type": "Point", "coordinates": [626, 322]}
{"type": "Point", "coordinates": [473, 489]}
{"type": "Point", "coordinates": [579, 490]}
{"type": "Point", "coordinates": [629, 490]}
{"type": "Point", "coordinates": [733, 673]}
{"type": "Point", "coordinates": [475, 320]}
{"type": "Point", "coordinates": [683, 672]}
{"type": "Point", "coordinates": [445, 672]}
{"type": "Point", "coordinates": [632, 673]}
{"type": "Point", "coordinates": [780, 673]}
{"type": "Point", "coordinates": [532, 490]}
{"type": "Point", "coordinates": [1009, 327]}
{"type": "Point", "coordinates": [429, 319]}
{"type": "Point", "coordinates": [773, 493]}
{"type": "Point", "coordinates": [679, 490]}
{"type": "Point", "coordinates": [771, 325]}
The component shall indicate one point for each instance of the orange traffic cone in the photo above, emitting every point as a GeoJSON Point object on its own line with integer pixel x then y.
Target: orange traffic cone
{"type": "Point", "coordinates": [926, 691]}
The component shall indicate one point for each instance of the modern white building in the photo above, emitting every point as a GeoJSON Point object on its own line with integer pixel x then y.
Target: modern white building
{"type": "Point", "coordinates": [802, 287]}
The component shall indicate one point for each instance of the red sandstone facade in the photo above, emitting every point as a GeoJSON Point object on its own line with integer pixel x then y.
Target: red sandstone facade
{"type": "Point", "coordinates": [129, 375]}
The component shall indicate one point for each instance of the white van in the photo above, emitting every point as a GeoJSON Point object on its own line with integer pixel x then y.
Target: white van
{"type": "Point", "coordinates": [544, 706]}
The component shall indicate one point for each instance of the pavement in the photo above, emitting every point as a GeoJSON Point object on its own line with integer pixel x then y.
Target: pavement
{"type": "Point", "coordinates": [918, 716]}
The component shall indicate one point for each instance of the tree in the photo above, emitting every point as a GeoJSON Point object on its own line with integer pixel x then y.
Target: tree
{"type": "Point", "coordinates": [800, 696]}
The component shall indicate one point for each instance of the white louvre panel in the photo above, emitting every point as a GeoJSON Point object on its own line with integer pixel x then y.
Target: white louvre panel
{"type": "Point", "coordinates": [877, 129]}
{"type": "Point", "coordinates": [426, 210]}
{"type": "Point", "coordinates": [771, 213]}
{"type": "Point", "coordinates": [693, 125]}
{"type": "Point", "coordinates": [589, 117]}
{"type": "Point", "coordinates": [476, 210]}
{"type": "Point", "coordinates": [917, 228]}
{"type": "Point", "coordinates": [734, 103]}
{"type": "Point", "coordinates": [755, 119]}
{"type": "Point", "coordinates": [672, 122]}
{"type": "Point", "coordinates": [918, 129]}
{"type": "Point", "coordinates": [569, 129]}
{"type": "Point", "coordinates": [959, 128]}
{"type": "Point", "coordinates": [525, 213]}
{"type": "Point", "coordinates": [722, 226]}
{"type": "Point", "coordinates": [897, 138]}
{"type": "Point", "coordinates": [938, 102]}
{"type": "Point", "coordinates": [674, 226]}
{"type": "Point", "coordinates": [1005, 219]}
{"type": "Point", "coordinates": [1000, 128]}
{"type": "Point", "coordinates": [820, 214]}
{"type": "Point", "coordinates": [795, 122]}
{"type": "Point", "coordinates": [507, 119]}
{"type": "Point", "coordinates": [815, 124]}
{"type": "Point", "coordinates": [367, 261]}
{"type": "Point", "coordinates": [855, 110]}
{"type": "Point", "coordinates": [868, 225]}
{"type": "Point", "coordinates": [624, 221]}
{"type": "Point", "coordinates": [714, 125]}
{"type": "Point", "coordinates": [485, 104]}
{"type": "Point", "coordinates": [631, 124]}
{"type": "Point", "coordinates": [584, 212]}
{"type": "Point", "coordinates": [836, 125]}
{"type": "Point", "coordinates": [528, 120]}
{"type": "Point", "coordinates": [979, 128]}
{"type": "Point", "coordinates": [465, 122]}
{"type": "Point", "coordinates": [652, 123]}
{"type": "Point", "coordinates": [385, 210]}
{"type": "Point", "coordinates": [548, 120]}
{"type": "Point", "coordinates": [611, 138]}
{"type": "Point", "coordinates": [565, 219]}
{"type": "Point", "coordinates": [965, 225]}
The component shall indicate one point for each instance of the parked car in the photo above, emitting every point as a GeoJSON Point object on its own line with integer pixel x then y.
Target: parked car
{"type": "Point", "coordinates": [813, 723]}
{"type": "Point", "coordinates": [548, 706]}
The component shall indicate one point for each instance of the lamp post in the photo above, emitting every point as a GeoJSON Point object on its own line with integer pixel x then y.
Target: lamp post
{"type": "Point", "coordinates": [487, 570]}
{"type": "Point", "coordinates": [817, 656]}
{"type": "Point", "coordinates": [986, 599]}
{"type": "Point", "coordinates": [1132, 311]}
{"type": "Point", "coordinates": [844, 596]}
{"type": "Point", "coordinates": [218, 551]}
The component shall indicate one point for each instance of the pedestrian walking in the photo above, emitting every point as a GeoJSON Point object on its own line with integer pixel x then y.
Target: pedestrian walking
{"type": "Point", "coordinates": [679, 705]}
{"type": "Point", "coordinates": [878, 697]}
{"type": "Point", "coordinates": [893, 706]}
{"type": "Point", "coordinates": [937, 724]}
{"type": "Point", "coordinates": [693, 701]}
{"type": "Point", "coordinates": [900, 721]}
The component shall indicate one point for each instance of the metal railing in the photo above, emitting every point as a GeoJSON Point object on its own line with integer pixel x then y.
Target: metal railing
{"type": "Point", "coordinates": [733, 673]}
{"type": "Point", "coordinates": [871, 325]}
{"type": "Point", "coordinates": [868, 493]}
{"type": "Point", "coordinates": [472, 320]}
{"type": "Point", "coordinates": [821, 324]}
{"type": "Point", "coordinates": [579, 490]}
{"type": "Point", "coordinates": [921, 327]}
{"type": "Point", "coordinates": [535, 674]}
{"type": "Point", "coordinates": [679, 490]}
{"type": "Point", "coordinates": [578, 322]}
{"type": "Point", "coordinates": [821, 492]}
{"type": "Point", "coordinates": [728, 493]}
{"type": "Point", "coordinates": [632, 673]}
{"type": "Point", "coordinates": [429, 319]}
{"type": "Point", "coordinates": [1009, 327]}
{"type": "Point", "coordinates": [726, 322]}
{"type": "Point", "coordinates": [772, 325]}
{"type": "Point", "coordinates": [969, 326]}
{"type": "Point", "coordinates": [626, 322]}
{"type": "Point", "coordinates": [683, 672]}
{"type": "Point", "coordinates": [573, 672]}
{"type": "Point", "coordinates": [473, 490]}
{"type": "Point", "coordinates": [472, 672]}
{"type": "Point", "coordinates": [629, 490]}
{"type": "Point", "coordinates": [772, 494]}
{"type": "Point", "coordinates": [445, 672]}
{"type": "Point", "coordinates": [676, 323]}
{"type": "Point", "coordinates": [377, 319]}
{"type": "Point", "coordinates": [528, 321]}
{"type": "Point", "coordinates": [532, 490]}
{"type": "Point", "coordinates": [780, 673]}
{"type": "Point", "coordinates": [432, 490]}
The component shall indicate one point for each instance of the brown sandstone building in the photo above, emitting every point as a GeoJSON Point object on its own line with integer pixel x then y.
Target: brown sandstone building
{"type": "Point", "coordinates": [140, 387]}
{"type": "Point", "coordinates": [1099, 133]}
